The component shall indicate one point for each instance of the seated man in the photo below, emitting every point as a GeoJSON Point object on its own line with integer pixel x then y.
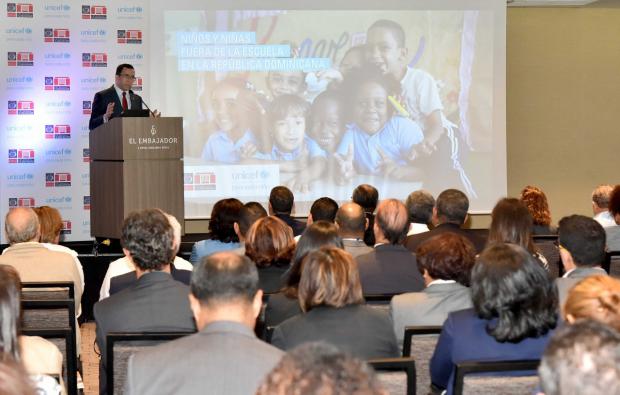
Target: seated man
{"type": "Point", "coordinates": [225, 357]}
{"type": "Point", "coordinates": [155, 302]}
{"type": "Point", "coordinates": [352, 224]}
{"type": "Point", "coordinates": [281, 203]}
{"type": "Point", "coordinates": [367, 196]}
{"type": "Point", "coordinates": [420, 208]}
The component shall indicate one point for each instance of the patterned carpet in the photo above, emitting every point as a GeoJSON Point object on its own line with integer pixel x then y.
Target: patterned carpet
{"type": "Point", "coordinates": [90, 360]}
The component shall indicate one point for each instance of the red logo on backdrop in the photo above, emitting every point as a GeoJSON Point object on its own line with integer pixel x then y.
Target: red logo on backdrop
{"type": "Point", "coordinates": [86, 202]}
{"type": "Point", "coordinates": [21, 202]}
{"type": "Point", "coordinates": [129, 36]}
{"type": "Point", "coordinates": [98, 59]}
{"type": "Point", "coordinates": [87, 107]}
{"type": "Point", "coordinates": [137, 85]}
{"type": "Point", "coordinates": [86, 155]}
{"type": "Point", "coordinates": [94, 12]}
{"type": "Point", "coordinates": [56, 35]}
{"type": "Point", "coordinates": [66, 227]}
{"type": "Point", "coordinates": [57, 131]}
{"type": "Point", "coordinates": [19, 10]}
{"type": "Point", "coordinates": [57, 83]}
{"type": "Point", "coordinates": [20, 58]}
{"type": "Point", "coordinates": [21, 155]}
{"type": "Point", "coordinates": [199, 181]}
{"type": "Point", "coordinates": [21, 107]}
{"type": "Point", "coordinates": [57, 179]}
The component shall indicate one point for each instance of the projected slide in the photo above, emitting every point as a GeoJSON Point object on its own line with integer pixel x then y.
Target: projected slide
{"type": "Point", "coordinates": [324, 100]}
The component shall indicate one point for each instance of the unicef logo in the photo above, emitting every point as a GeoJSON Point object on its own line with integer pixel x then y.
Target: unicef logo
{"type": "Point", "coordinates": [66, 55]}
{"type": "Point", "coordinates": [102, 32]}
{"type": "Point", "coordinates": [264, 174]}
{"type": "Point", "coordinates": [28, 30]}
{"type": "Point", "coordinates": [68, 199]}
{"type": "Point", "coordinates": [138, 9]}
{"type": "Point", "coordinates": [28, 79]}
{"type": "Point", "coordinates": [139, 56]}
{"type": "Point", "coordinates": [66, 7]}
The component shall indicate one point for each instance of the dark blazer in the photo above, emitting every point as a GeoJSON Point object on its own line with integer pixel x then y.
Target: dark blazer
{"type": "Point", "coordinates": [369, 233]}
{"type": "Point", "coordinates": [101, 101]}
{"type": "Point", "coordinates": [357, 329]}
{"type": "Point", "coordinates": [118, 283]}
{"type": "Point", "coordinates": [155, 302]}
{"type": "Point", "coordinates": [414, 241]}
{"type": "Point", "coordinates": [464, 338]}
{"type": "Point", "coordinates": [297, 226]}
{"type": "Point", "coordinates": [389, 269]}
{"type": "Point", "coordinates": [280, 308]}
{"type": "Point", "coordinates": [272, 278]}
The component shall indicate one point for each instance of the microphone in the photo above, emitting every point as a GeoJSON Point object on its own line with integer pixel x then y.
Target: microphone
{"type": "Point", "coordinates": [142, 102]}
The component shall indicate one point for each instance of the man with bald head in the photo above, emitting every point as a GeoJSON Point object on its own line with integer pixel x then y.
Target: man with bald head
{"type": "Point", "coordinates": [32, 260]}
{"type": "Point", "coordinates": [352, 223]}
{"type": "Point", "coordinates": [390, 268]}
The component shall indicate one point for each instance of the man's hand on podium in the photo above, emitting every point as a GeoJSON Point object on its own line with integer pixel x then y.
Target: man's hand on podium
{"type": "Point", "coordinates": [108, 112]}
{"type": "Point", "coordinates": [155, 114]}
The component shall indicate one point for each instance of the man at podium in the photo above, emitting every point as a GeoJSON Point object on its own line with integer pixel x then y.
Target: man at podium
{"type": "Point", "coordinates": [118, 98]}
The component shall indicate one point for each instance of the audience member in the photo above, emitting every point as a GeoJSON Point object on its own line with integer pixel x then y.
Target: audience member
{"type": "Point", "coordinates": [323, 209]}
{"type": "Point", "coordinates": [249, 213]}
{"type": "Point", "coordinates": [352, 224]}
{"type": "Point", "coordinates": [583, 358]}
{"type": "Point", "coordinates": [420, 208]}
{"type": "Point", "coordinates": [582, 250]}
{"type": "Point", "coordinates": [536, 202]}
{"type": "Point", "coordinates": [222, 236]}
{"type": "Point", "coordinates": [367, 196]}
{"type": "Point", "coordinates": [445, 261]}
{"type": "Point", "coordinates": [225, 356]}
{"type": "Point", "coordinates": [514, 313]}
{"type": "Point", "coordinates": [281, 202]}
{"type": "Point", "coordinates": [320, 368]}
{"type": "Point", "coordinates": [613, 232]}
{"type": "Point", "coordinates": [600, 205]}
{"type": "Point", "coordinates": [270, 245]}
{"type": "Point", "coordinates": [147, 240]}
{"type": "Point", "coordinates": [285, 304]}
{"type": "Point", "coordinates": [449, 215]}
{"type": "Point", "coordinates": [511, 222]}
{"type": "Point", "coordinates": [124, 265]}
{"type": "Point", "coordinates": [33, 261]}
{"type": "Point", "coordinates": [330, 295]}
{"type": "Point", "coordinates": [596, 298]}
{"type": "Point", "coordinates": [390, 268]}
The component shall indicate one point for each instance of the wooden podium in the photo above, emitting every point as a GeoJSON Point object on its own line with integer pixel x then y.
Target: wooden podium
{"type": "Point", "coordinates": [136, 163]}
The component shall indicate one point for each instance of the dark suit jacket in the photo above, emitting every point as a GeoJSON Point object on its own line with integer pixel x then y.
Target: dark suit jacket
{"type": "Point", "coordinates": [464, 337]}
{"type": "Point", "coordinates": [101, 101]}
{"type": "Point", "coordinates": [297, 226]}
{"type": "Point", "coordinates": [369, 233]}
{"type": "Point", "coordinates": [414, 241]}
{"type": "Point", "coordinates": [155, 302]}
{"type": "Point", "coordinates": [389, 269]}
{"type": "Point", "coordinates": [272, 278]}
{"type": "Point", "coordinates": [280, 308]}
{"type": "Point", "coordinates": [118, 283]}
{"type": "Point", "coordinates": [357, 329]}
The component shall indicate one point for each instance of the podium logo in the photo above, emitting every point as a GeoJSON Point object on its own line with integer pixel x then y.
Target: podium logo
{"type": "Point", "coordinates": [95, 59]}
{"type": "Point", "coordinates": [94, 12]}
{"type": "Point", "coordinates": [57, 131]}
{"type": "Point", "coordinates": [199, 181]}
{"type": "Point", "coordinates": [19, 10]}
{"type": "Point", "coordinates": [20, 59]}
{"type": "Point", "coordinates": [86, 155]}
{"type": "Point", "coordinates": [66, 227]}
{"type": "Point", "coordinates": [129, 36]}
{"type": "Point", "coordinates": [87, 107]}
{"type": "Point", "coordinates": [21, 107]}
{"type": "Point", "coordinates": [56, 35]}
{"type": "Point", "coordinates": [57, 180]}
{"type": "Point", "coordinates": [137, 85]}
{"type": "Point", "coordinates": [21, 155]}
{"type": "Point", "coordinates": [57, 83]}
{"type": "Point", "coordinates": [21, 202]}
{"type": "Point", "coordinates": [86, 202]}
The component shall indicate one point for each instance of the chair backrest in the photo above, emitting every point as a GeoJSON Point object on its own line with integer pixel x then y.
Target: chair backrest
{"type": "Point", "coordinates": [497, 383]}
{"type": "Point", "coordinates": [420, 342]}
{"type": "Point", "coordinates": [121, 345]}
{"type": "Point", "coordinates": [65, 341]}
{"type": "Point", "coordinates": [379, 301]}
{"type": "Point", "coordinates": [546, 246]}
{"type": "Point", "coordinates": [612, 264]}
{"type": "Point", "coordinates": [40, 290]}
{"type": "Point", "coordinates": [398, 375]}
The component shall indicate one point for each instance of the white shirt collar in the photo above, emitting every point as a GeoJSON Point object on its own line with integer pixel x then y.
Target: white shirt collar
{"type": "Point", "coordinates": [415, 228]}
{"type": "Point", "coordinates": [439, 281]}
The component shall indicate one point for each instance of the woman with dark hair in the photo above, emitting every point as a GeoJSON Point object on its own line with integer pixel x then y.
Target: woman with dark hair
{"type": "Point", "coordinates": [269, 243]}
{"type": "Point", "coordinates": [222, 236]}
{"type": "Point", "coordinates": [514, 314]}
{"type": "Point", "coordinates": [511, 222]}
{"type": "Point", "coordinates": [330, 295]}
{"type": "Point", "coordinates": [445, 262]}
{"type": "Point", "coordinates": [536, 202]}
{"type": "Point", "coordinates": [285, 304]}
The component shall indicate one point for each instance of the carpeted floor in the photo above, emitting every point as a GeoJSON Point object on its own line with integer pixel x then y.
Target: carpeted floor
{"type": "Point", "coordinates": [90, 360]}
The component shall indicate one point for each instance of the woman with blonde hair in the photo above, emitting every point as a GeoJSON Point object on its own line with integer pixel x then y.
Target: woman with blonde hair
{"type": "Point", "coordinates": [595, 297]}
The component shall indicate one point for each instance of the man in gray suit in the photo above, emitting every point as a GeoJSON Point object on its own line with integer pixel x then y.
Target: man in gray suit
{"type": "Point", "coordinates": [224, 357]}
{"type": "Point", "coordinates": [352, 222]}
{"type": "Point", "coordinates": [155, 302]}
{"type": "Point", "coordinates": [582, 249]}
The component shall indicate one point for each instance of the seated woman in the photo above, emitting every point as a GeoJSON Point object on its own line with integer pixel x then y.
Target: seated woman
{"type": "Point", "coordinates": [596, 298]}
{"type": "Point", "coordinates": [285, 303]}
{"type": "Point", "coordinates": [222, 236]}
{"type": "Point", "coordinates": [536, 202]}
{"type": "Point", "coordinates": [269, 243]}
{"type": "Point", "coordinates": [330, 294]}
{"type": "Point", "coordinates": [445, 262]}
{"type": "Point", "coordinates": [514, 314]}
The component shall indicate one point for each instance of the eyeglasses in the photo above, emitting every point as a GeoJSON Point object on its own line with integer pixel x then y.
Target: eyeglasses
{"type": "Point", "coordinates": [558, 245]}
{"type": "Point", "coordinates": [131, 77]}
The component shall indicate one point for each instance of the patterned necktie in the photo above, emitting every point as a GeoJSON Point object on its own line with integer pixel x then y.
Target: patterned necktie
{"type": "Point", "coordinates": [124, 101]}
